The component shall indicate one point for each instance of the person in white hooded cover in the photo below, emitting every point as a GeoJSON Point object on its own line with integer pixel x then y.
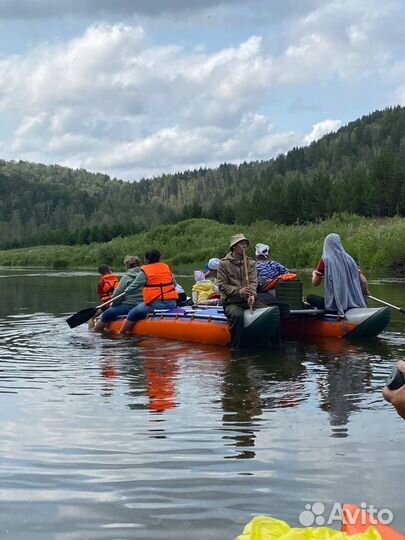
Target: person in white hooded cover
{"type": "Point", "coordinates": [345, 285]}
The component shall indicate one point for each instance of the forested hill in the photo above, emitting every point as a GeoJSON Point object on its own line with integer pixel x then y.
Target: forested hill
{"type": "Point", "coordinates": [359, 169]}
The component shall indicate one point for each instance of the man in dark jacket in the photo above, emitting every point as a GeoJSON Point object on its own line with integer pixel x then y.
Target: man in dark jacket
{"type": "Point", "coordinates": [238, 290]}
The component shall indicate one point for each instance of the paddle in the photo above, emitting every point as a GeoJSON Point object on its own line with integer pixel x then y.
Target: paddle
{"type": "Point", "coordinates": [86, 314]}
{"type": "Point", "coordinates": [246, 265]}
{"type": "Point", "coordinates": [386, 303]}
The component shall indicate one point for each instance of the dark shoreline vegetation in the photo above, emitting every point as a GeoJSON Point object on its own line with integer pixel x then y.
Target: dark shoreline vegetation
{"type": "Point", "coordinates": [377, 245]}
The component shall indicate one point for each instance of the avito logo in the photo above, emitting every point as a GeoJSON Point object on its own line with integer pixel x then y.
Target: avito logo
{"type": "Point", "coordinates": [315, 514]}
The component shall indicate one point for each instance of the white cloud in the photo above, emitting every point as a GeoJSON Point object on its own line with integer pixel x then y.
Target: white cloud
{"type": "Point", "coordinates": [322, 128]}
{"type": "Point", "coordinates": [144, 101]}
{"type": "Point", "coordinates": [252, 139]}
{"type": "Point", "coordinates": [113, 100]}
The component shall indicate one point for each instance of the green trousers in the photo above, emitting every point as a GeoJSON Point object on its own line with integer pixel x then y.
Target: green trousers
{"type": "Point", "coordinates": [234, 314]}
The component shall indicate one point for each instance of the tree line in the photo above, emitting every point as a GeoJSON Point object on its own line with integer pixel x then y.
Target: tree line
{"type": "Point", "coordinates": [359, 170]}
{"type": "Point", "coordinates": [189, 244]}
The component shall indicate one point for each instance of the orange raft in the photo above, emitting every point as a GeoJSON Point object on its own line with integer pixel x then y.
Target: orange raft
{"type": "Point", "coordinates": [357, 323]}
{"type": "Point", "coordinates": [205, 325]}
{"type": "Point", "coordinates": [356, 520]}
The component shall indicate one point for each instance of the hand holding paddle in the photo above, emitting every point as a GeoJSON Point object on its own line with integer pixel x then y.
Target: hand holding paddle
{"type": "Point", "coordinates": [86, 314]}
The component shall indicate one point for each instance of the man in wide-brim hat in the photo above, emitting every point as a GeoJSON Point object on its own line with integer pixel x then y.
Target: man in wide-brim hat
{"type": "Point", "coordinates": [238, 290]}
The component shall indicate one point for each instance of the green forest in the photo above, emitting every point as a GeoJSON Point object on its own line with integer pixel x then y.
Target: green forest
{"type": "Point", "coordinates": [359, 170]}
{"type": "Point", "coordinates": [376, 244]}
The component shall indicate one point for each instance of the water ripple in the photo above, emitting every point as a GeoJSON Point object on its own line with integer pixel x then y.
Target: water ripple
{"type": "Point", "coordinates": [123, 438]}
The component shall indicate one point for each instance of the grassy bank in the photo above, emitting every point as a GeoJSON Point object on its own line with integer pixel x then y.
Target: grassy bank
{"type": "Point", "coordinates": [377, 245]}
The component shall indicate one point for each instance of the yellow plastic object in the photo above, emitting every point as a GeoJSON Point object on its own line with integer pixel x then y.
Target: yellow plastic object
{"type": "Point", "coordinates": [268, 528]}
{"type": "Point", "coordinates": [204, 289]}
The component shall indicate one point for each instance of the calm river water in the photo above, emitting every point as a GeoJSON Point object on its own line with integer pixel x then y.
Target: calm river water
{"type": "Point", "coordinates": [119, 439]}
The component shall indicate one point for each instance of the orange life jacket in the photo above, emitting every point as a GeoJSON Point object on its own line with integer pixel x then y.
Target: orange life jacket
{"type": "Point", "coordinates": [270, 284]}
{"type": "Point", "coordinates": [106, 286]}
{"type": "Point", "coordinates": [159, 283]}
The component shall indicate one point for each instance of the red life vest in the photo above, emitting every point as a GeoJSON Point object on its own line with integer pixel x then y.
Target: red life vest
{"type": "Point", "coordinates": [159, 283]}
{"type": "Point", "coordinates": [271, 283]}
{"type": "Point", "coordinates": [106, 286]}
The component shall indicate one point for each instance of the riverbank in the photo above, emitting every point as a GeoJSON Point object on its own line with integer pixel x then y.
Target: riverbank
{"type": "Point", "coordinates": [376, 244]}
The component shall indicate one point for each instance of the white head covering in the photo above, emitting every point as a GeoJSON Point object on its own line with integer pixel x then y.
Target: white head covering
{"type": "Point", "coordinates": [342, 281]}
{"type": "Point", "coordinates": [199, 275]}
{"type": "Point", "coordinates": [262, 249]}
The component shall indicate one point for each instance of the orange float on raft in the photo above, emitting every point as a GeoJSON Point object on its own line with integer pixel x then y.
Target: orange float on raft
{"type": "Point", "coordinates": [302, 327]}
{"type": "Point", "coordinates": [357, 322]}
{"type": "Point", "coordinates": [357, 520]}
{"type": "Point", "coordinates": [182, 330]}
{"type": "Point", "coordinates": [205, 325]}
{"type": "Point", "coordinates": [263, 325]}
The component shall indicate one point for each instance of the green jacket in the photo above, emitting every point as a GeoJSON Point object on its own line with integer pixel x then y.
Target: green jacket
{"type": "Point", "coordinates": [231, 278]}
{"type": "Point", "coordinates": [134, 297]}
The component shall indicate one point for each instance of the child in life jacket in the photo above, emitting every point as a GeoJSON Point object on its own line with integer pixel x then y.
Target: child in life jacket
{"type": "Point", "coordinates": [108, 282]}
{"type": "Point", "coordinates": [105, 288]}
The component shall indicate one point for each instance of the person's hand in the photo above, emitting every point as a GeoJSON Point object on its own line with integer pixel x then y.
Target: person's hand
{"type": "Point", "coordinates": [246, 291]}
{"type": "Point", "coordinates": [397, 397]}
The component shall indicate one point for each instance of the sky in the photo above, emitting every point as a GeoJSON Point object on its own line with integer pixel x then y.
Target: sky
{"type": "Point", "coordinates": [139, 88]}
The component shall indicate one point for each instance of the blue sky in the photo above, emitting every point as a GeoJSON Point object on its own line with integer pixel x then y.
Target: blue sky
{"type": "Point", "coordinates": [137, 88]}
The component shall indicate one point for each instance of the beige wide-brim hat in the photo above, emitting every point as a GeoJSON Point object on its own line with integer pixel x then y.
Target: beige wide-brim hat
{"type": "Point", "coordinates": [236, 238]}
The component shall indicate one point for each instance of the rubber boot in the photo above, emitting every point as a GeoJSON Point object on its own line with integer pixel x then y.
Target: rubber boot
{"type": "Point", "coordinates": [126, 327]}
{"type": "Point", "coordinates": [99, 326]}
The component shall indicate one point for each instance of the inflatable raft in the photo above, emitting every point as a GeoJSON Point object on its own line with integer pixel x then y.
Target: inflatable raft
{"type": "Point", "coordinates": [357, 323]}
{"type": "Point", "coordinates": [356, 520]}
{"type": "Point", "coordinates": [205, 325]}
{"type": "Point", "coordinates": [210, 325]}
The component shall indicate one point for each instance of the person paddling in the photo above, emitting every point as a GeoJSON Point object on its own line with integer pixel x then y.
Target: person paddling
{"type": "Point", "coordinates": [345, 285]}
{"type": "Point", "coordinates": [123, 304]}
{"type": "Point", "coordinates": [157, 285]}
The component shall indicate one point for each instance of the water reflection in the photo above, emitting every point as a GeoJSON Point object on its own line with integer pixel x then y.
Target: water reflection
{"type": "Point", "coordinates": [145, 439]}
{"type": "Point", "coordinates": [340, 391]}
{"type": "Point", "coordinates": [344, 376]}
{"type": "Point", "coordinates": [109, 372]}
{"type": "Point", "coordinates": [160, 373]}
{"type": "Point", "coordinates": [339, 377]}
{"type": "Point", "coordinates": [252, 386]}
{"type": "Point", "coordinates": [242, 404]}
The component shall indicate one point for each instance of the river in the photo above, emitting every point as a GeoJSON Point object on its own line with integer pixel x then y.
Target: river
{"type": "Point", "coordinates": [122, 438]}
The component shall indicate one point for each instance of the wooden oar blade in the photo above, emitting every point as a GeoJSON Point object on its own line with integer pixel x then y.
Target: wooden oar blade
{"type": "Point", "coordinates": [81, 317]}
